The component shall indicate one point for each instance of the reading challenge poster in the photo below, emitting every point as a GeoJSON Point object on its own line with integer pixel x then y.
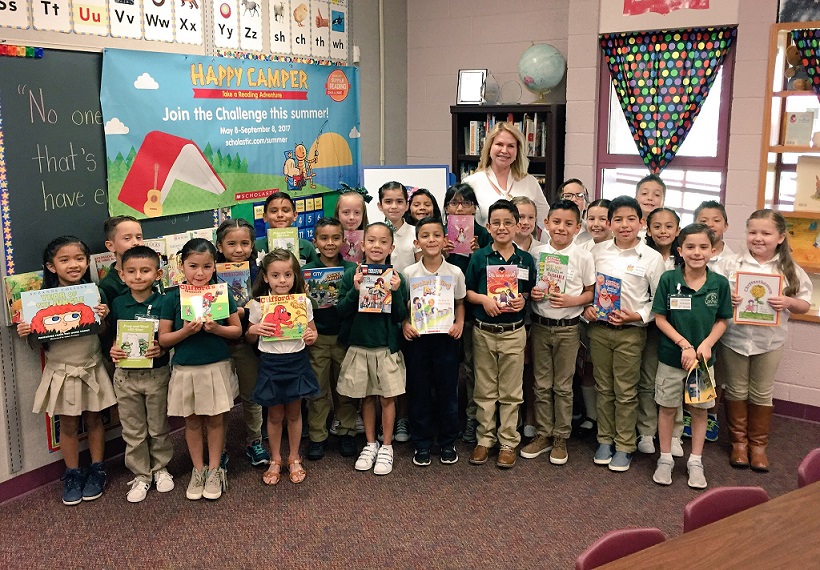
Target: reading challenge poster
{"type": "Point", "coordinates": [187, 133]}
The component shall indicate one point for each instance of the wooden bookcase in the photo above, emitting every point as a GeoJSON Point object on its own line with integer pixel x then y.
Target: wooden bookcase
{"type": "Point", "coordinates": [548, 169]}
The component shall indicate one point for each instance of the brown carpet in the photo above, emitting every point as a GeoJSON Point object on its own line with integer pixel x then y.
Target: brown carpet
{"type": "Point", "coordinates": [459, 516]}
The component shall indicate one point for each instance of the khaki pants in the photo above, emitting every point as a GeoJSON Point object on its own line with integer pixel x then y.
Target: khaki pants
{"type": "Point", "coordinates": [748, 377]}
{"type": "Point", "coordinates": [499, 370]}
{"type": "Point", "coordinates": [246, 364]}
{"type": "Point", "coordinates": [326, 357]}
{"type": "Point", "coordinates": [554, 351]}
{"type": "Point", "coordinates": [616, 363]}
{"type": "Point", "coordinates": [647, 408]}
{"type": "Point", "coordinates": [142, 397]}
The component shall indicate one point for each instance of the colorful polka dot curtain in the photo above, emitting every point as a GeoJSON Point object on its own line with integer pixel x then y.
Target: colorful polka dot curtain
{"type": "Point", "coordinates": [807, 43]}
{"type": "Point", "coordinates": [661, 79]}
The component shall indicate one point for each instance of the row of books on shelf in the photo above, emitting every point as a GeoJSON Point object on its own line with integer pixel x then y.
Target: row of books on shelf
{"type": "Point", "coordinates": [532, 126]}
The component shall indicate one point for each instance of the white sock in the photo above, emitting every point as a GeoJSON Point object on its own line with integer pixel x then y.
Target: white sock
{"type": "Point", "coordinates": [667, 456]}
{"type": "Point", "coordinates": [590, 397]}
{"type": "Point", "coordinates": [388, 447]}
{"type": "Point", "coordinates": [695, 458]}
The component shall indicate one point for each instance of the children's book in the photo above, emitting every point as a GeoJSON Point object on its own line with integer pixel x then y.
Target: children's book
{"type": "Point", "coordinates": [755, 290]}
{"type": "Point", "coordinates": [552, 272]}
{"type": "Point", "coordinates": [62, 312]}
{"type": "Point", "coordinates": [607, 296]}
{"type": "Point", "coordinates": [375, 295]}
{"type": "Point", "coordinates": [502, 285]}
{"type": "Point", "coordinates": [205, 233]}
{"type": "Point", "coordinates": [173, 275]}
{"type": "Point", "coordinates": [209, 302]}
{"type": "Point", "coordinates": [460, 231]}
{"type": "Point", "coordinates": [101, 264]}
{"type": "Point", "coordinates": [135, 338]}
{"type": "Point", "coordinates": [351, 249]}
{"type": "Point", "coordinates": [284, 238]}
{"type": "Point", "coordinates": [158, 245]}
{"type": "Point", "coordinates": [432, 304]}
{"type": "Point", "coordinates": [287, 314]}
{"type": "Point", "coordinates": [700, 387]}
{"type": "Point", "coordinates": [14, 286]}
{"type": "Point", "coordinates": [807, 191]}
{"type": "Point", "coordinates": [238, 278]}
{"type": "Point", "coordinates": [797, 128]}
{"type": "Point", "coordinates": [323, 285]}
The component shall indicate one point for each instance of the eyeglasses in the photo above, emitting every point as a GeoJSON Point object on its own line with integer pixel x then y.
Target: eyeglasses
{"type": "Point", "coordinates": [579, 195]}
{"type": "Point", "coordinates": [505, 223]}
{"type": "Point", "coordinates": [462, 203]}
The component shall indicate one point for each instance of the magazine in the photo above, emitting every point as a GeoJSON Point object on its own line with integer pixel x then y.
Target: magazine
{"type": "Point", "coordinates": [15, 285]}
{"type": "Point", "coordinates": [502, 285]}
{"type": "Point", "coordinates": [101, 264]}
{"type": "Point", "coordinates": [323, 285]}
{"type": "Point", "coordinates": [552, 272]}
{"type": "Point", "coordinates": [135, 338]}
{"type": "Point", "coordinates": [432, 304]}
{"type": "Point", "coordinates": [62, 312]}
{"type": "Point", "coordinates": [287, 314]}
{"type": "Point", "coordinates": [209, 302]}
{"type": "Point", "coordinates": [351, 249]}
{"type": "Point", "coordinates": [238, 278]}
{"type": "Point", "coordinates": [755, 290]}
{"type": "Point", "coordinates": [700, 387]}
{"type": "Point", "coordinates": [375, 295]}
{"type": "Point", "coordinates": [460, 231]}
{"type": "Point", "coordinates": [284, 238]}
{"type": "Point", "coordinates": [607, 296]}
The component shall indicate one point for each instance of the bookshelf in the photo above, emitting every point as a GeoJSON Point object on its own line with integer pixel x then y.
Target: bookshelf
{"type": "Point", "coordinates": [547, 122]}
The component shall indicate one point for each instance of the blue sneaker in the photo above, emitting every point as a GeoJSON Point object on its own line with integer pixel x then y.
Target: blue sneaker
{"type": "Point", "coordinates": [687, 424]}
{"type": "Point", "coordinates": [94, 482]}
{"type": "Point", "coordinates": [620, 461]}
{"type": "Point", "coordinates": [73, 481]}
{"type": "Point", "coordinates": [256, 453]}
{"type": "Point", "coordinates": [603, 455]}
{"type": "Point", "coordinates": [712, 427]}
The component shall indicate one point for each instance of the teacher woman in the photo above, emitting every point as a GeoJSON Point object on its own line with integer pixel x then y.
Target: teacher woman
{"type": "Point", "coordinates": [502, 173]}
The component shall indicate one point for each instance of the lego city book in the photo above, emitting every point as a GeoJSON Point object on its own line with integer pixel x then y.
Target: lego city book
{"type": "Point", "coordinates": [432, 304]}
{"type": "Point", "coordinates": [375, 295]}
{"type": "Point", "coordinates": [700, 387]}
{"type": "Point", "coordinates": [14, 286]}
{"type": "Point", "coordinates": [502, 285]}
{"type": "Point", "coordinates": [552, 272]}
{"type": "Point", "coordinates": [237, 276]}
{"type": "Point", "coordinates": [287, 314]}
{"type": "Point", "coordinates": [607, 296]}
{"type": "Point", "coordinates": [351, 249]}
{"type": "Point", "coordinates": [460, 231]}
{"type": "Point", "coordinates": [323, 285]}
{"type": "Point", "coordinates": [62, 312]}
{"type": "Point", "coordinates": [284, 238]}
{"type": "Point", "coordinates": [135, 338]}
{"type": "Point", "coordinates": [209, 302]}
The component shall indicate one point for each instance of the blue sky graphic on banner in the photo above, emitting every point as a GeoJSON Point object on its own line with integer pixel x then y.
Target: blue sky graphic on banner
{"type": "Point", "coordinates": [187, 133]}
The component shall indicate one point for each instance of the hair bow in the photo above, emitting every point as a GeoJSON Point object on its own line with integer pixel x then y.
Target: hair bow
{"type": "Point", "coordinates": [362, 191]}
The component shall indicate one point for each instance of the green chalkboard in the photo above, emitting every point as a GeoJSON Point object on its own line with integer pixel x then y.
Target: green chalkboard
{"type": "Point", "coordinates": [54, 157]}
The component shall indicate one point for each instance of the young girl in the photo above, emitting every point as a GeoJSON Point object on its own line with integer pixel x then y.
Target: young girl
{"type": "Point", "coordinates": [422, 205]}
{"type": "Point", "coordinates": [373, 367]}
{"type": "Point", "coordinates": [748, 355]}
{"type": "Point", "coordinates": [203, 385]}
{"type": "Point", "coordinates": [393, 203]}
{"type": "Point", "coordinates": [285, 375]}
{"type": "Point", "coordinates": [597, 223]}
{"type": "Point", "coordinates": [662, 227]}
{"type": "Point", "coordinates": [74, 383]}
{"type": "Point", "coordinates": [235, 243]}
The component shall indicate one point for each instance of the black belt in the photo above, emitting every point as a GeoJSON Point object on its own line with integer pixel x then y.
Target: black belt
{"type": "Point", "coordinates": [611, 326]}
{"type": "Point", "coordinates": [493, 328]}
{"type": "Point", "coordinates": [555, 322]}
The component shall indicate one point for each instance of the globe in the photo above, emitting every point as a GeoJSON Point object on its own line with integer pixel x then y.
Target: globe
{"type": "Point", "coordinates": [541, 68]}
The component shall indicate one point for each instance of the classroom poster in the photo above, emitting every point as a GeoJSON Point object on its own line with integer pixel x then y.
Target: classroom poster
{"type": "Point", "coordinates": [186, 133]}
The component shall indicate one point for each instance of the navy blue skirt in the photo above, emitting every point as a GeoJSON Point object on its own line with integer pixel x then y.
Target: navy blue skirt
{"type": "Point", "coordinates": [284, 378]}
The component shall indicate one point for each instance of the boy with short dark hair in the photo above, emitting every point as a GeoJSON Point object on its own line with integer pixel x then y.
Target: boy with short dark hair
{"type": "Point", "coordinates": [280, 212]}
{"type": "Point", "coordinates": [121, 234]}
{"type": "Point", "coordinates": [499, 338]}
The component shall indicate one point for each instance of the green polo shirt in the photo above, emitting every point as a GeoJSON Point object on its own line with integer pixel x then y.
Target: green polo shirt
{"type": "Point", "coordinates": [126, 308]}
{"type": "Point", "coordinates": [476, 278]}
{"type": "Point", "coordinates": [202, 347]}
{"type": "Point", "coordinates": [327, 320]}
{"type": "Point", "coordinates": [112, 285]}
{"type": "Point", "coordinates": [307, 251]}
{"type": "Point", "coordinates": [711, 302]}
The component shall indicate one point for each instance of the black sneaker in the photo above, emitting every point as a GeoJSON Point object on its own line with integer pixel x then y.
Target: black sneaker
{"type": "Point", "coordinates": [94, 482]}
{"type": "Point", "coordinates": [316, 450]}
{"type": "Point", "coordinates": [421, 457]}
{"type": "Point", "coordinates": [449, 455]}
{"type": "Point", "coordinates": [347, 446]}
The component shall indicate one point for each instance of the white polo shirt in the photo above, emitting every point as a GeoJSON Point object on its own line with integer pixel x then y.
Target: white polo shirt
{"type": "Point", "coordinates": [580, 274]}
{"type": "Point", "coordinates": [445, 269]}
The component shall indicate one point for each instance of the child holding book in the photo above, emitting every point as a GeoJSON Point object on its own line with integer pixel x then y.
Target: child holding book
{"type": "Point", "coordinates": [74, 383]}
{"type": "Point", "coordinates": [749, 355]}
{"type": "Point", "coordinates": [562, 290]}
{"type": "Point", "coordinates": [373, 367]}
{"type": "Point", "coordinates": [499, 335]}
{"type": "Point", "coordinates": [327, 355]}
{"type": "Point", "coordinates": [280, 212]}
{"type": "Point", "coordinates": [432, 359]}
{"type": "Point", "coordinates": [285, 374]}
{"type": "Point", "coordinates": [121, 234]}
{"type": "Point", "coordinates": [691, 307]}
{"type": "Point", "coordinates": [617, 339]}
{"type": "Point", "coordinates": [351, 211]}
{"type": "Point", "coordinates": [203, 384]}
{"type": "Point", "coordinates": [142, 393]}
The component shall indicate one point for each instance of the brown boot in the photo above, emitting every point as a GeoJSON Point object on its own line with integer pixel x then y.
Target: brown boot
{"type": "Point", "coordinates": [760, 421]}
{"type": "Point", "coordinates": [736, 414]}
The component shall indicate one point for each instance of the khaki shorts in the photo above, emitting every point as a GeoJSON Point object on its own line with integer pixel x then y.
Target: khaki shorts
{"type": "Point", "coordinates": [372, 372]}
{"type": "Point", "coordinates": [669, 382]}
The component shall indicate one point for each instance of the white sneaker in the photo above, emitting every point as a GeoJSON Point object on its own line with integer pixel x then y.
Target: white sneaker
{"type": "Point", "coordinates": [384, 460]}
{"type": "Point", "coordinates": [367, 457]}
{"type": "Point", "coordinates": [646, 444]}
{"type": "Point", "coordinates": [164, 481]}
{"type": "Point", "coordinates": [197, 484]}
{"type": "Point", "coordinates": [334, 426]}
{"type": "Point", "coordinates": [359, 424]}
{"type": "Point", "coordinates": [677, 447]}
{"type": "Point", "coordinates": [214, 484]}
{"type": "Point", "coordinates": [138, 492]}
{"type": "Point", "coordinates": [402, 431]}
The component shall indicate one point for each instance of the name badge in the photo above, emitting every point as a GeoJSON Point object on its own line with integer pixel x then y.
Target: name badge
{"type": "Point", "coordinates": [680, 303]}
{"type": "Point", "coordinates": [524, 273]}
{"type": "Point", "coordinates": [636, 270]}
{"type": "Point", "coordinates": [570, 274]}
{"type": "Point", "coordinates": [154, 318]}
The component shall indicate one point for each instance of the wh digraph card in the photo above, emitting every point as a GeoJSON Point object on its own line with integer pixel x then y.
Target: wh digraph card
{"type": "Point", "coordinates": [287, 314]}
{"type": "Point", "coordinates": [209, 302]}
{"type": "Point", "coordinates": [323, 285]}
{"type": "Point", "coordinates": [135, 338]}
{"type": "Point", "coordinates": [755, 290]}
{"type": "Point", "coordinates": [502, 285]}
{"type": "Point", "coordinates": [375, 295]}
{"type": "Point", "coordinates": [432, 304]}
{"type": "Point", "coordinates": [63, 312]}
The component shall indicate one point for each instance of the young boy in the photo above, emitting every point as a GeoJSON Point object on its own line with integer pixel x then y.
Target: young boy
{"type": "Point", "coordinates": [556, 333]}
{"type": "Point", "coordinates": [432, 359]}
{"type": "Point", "coordinates": [280, 212]}
{"type": "Point", "coordinates": [499, 338]}
{"type": "Point", "coordinates": [616, 343]}
{"type": "Point", "coordinates": [326, 354]}
{"type": "Point", "coordinates": [142, 394]}
{"type": "Point", "coordinates": [650, 193]}
{"type": "Point", "coordinates": [121, 234]}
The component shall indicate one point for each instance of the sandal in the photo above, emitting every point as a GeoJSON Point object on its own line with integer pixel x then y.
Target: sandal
{"type": "Point", "coordinates": [274, 473]}
{"type": "Point", "coordinates": [297, 472]}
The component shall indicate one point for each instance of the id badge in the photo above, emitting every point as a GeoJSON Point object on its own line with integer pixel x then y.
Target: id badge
{"type": "Point", "coordinates": [523, 274]}
{"type": "Point", "coordinates": [154, 318]}
{"type": "Point", "coordinates": [680, 302]}
{"type": "Point", "coordinates": [636, 270]}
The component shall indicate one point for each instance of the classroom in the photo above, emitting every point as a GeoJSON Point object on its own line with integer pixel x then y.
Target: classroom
{"type": "Point", "coordinates": [398, 96]}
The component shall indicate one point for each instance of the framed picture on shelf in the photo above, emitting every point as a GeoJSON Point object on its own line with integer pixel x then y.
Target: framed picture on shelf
{"type": "Point", "coordinates": [471, 84]}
